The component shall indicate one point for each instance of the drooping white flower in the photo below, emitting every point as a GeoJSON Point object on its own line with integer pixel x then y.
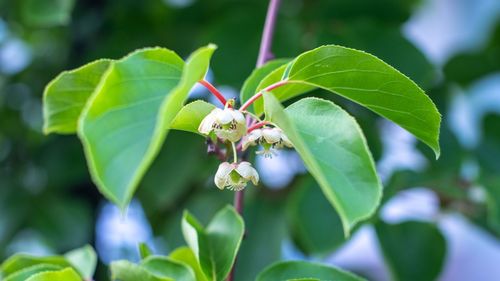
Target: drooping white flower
{"type": "Point", "coordinates": [227, 124]}
{"type": "Point", "coordinates": [269, 138]}
{"type": "Point", "coordinates": [235, 176]}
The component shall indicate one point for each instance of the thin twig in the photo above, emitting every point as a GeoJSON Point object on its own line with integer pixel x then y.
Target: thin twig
{"type": "Point", "coordinates": [267, 35]}
{"type": "Point", "coordinates": [259, 94]}
{"type": "Point", "coordinates": [258, 125]}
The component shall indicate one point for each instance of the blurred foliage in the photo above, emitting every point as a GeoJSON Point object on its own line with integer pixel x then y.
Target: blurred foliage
{"type": "Point", "coordinates": [48, 200]}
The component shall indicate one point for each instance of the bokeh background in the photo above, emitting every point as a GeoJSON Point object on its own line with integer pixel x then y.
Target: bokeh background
{"type": "Point", "coordinates": [439, 218]}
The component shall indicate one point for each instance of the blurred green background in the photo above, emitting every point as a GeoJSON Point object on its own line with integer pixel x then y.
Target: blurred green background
{"type": "Point", "coordinates": [450, 48]}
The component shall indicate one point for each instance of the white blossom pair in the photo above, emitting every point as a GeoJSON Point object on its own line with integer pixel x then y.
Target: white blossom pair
{"type": "Point", "coordinates": [269, 138]}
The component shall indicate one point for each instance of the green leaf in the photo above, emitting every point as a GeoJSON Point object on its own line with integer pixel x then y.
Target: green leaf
{"type": "Point", "coordinates": [46, 13]}
{"type": "Point", "coordinates": [144, 250]}
{"type": "Point", "coordinates": [186, 256]}
{"type": "Point", "coordinates": [168, 268]}
{"type": "Point", "coordinates": [84, 260]}
{"type": "Point", "coordinates": [127, 271]}
{"type": "Point", "coordinates": [293, 270]}
{"type": "Point", "coordinates": [217, 245]}
{"type": "Point", "coordinates": [191, 115]}
{"type": "Point", "coordinates": [413, 250]}
{"type": "Point", "coordinates": [334, 151]}
{"type": "Point", "coordinates": [21, 261]}
{"type": "Point", "coordinates": [67, 274]}
{"type": "Point", "coordinates": [364, 79]}
{"type": "Point", "coordinates": [66, 95]}
{"type": "Point", "coordinates": [252, 82]}
{"type": "Point", "coordinates": [126, 120]}
{"type": "Point", "coordinates": [25, 273]}
{"type": "Point", "coordinates": [308, 211]}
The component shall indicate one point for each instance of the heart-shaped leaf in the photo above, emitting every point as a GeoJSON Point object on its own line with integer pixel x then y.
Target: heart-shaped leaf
{"type": "Point", "coordinates": [300, 270]}
{"type": "Point", "coordinates": [126, 120]}
{"type": "Point", "coordinates": [364, 79]}
{"type": "Point", "coordinates": [216, 245]}
{"type": "Point", "coordinates": [334, 151]}
{"type": "Point", "coordinates": [66, 95]}
{"type": "Point", "coordinates": [423, 254]}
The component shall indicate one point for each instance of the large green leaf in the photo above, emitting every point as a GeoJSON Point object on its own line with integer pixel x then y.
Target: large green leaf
{"type": "Point", "coordinates": [308, 211]}
{"type": "Point", "coordinates": [126, 120]}
{"type": "Point", "coordinates": [217, 245]}
{"type": "Point", "coordinates": [300, 270]}
{"type": "Point", "coordinates": [413, 250]}
{"type": "Point", "coordinates": [67, 274]}
{"type": "Point", "coordinates": [66, 95]}
{"type": "Point", "coordinates": [22, 261]}
{"type": "Point", "coordinates": [191, 115]}
{"type": "Point", "coordinates": [334, 151]}
{"type": "Point", "coordinates": [84, 260]}
{"type": "Point", "coordinates": [168, 268]}
{"type": "Point", "coordinates": [364, 79]}
{"type": "Point", "coordinates": [249, 88]}
{"type": "Point", "coordinates": [25, 273]}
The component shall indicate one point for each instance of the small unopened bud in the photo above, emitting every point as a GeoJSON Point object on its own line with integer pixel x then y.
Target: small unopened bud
{"type": "Point", "coordinates": [235, 176]}
{"type": "Point", "coordinates": [227, 124]}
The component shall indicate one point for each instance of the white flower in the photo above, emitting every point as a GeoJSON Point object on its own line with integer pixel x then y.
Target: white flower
{"type": "Point", "coordinates": [235, 176]}
{"type": "Point", "coordinates": [269, 138]}
{"type": "Point", "coordinates": [227, 124]}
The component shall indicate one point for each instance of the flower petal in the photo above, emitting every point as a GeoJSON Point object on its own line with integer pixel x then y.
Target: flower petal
{"type": "Point", "coordinates": [238, 116]}
{"type": "Point", "coordinates": [222, 176]}
{"type": "Point", "coordinates": [225, 116]}
{"type": "Point", "coordinates": [206, 125]}
{"type": "Point", "coordinates": [271, 135]}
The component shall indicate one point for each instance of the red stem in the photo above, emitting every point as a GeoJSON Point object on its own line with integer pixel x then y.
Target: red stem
{"type": "Point", "coordinates": [214, 91]}
{"type": "Point", "coordinates": [259, 94]}
{"type": "Point", "coordinates": [258, 125]}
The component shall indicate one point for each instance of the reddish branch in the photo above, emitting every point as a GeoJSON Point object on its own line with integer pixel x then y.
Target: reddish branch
{"type": "Point", "coordinates": [214, 91]}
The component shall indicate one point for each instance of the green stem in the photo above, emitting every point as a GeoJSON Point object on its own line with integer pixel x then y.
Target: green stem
{"type": "Point", "coordinates": [235, 153]}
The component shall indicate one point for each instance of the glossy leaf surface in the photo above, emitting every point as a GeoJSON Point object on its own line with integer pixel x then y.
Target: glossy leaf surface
{"type": "Point", "coordinates": [128, 116]}
{"type": "Point", "coordinates": [334, 151]}
{"type": "Point", "coordinates": [364, 79]}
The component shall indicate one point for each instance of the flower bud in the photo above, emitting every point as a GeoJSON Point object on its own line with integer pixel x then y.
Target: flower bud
{"type": "Point", "coordinates": [235, 176]}
{"type": "Point", "coordinates": [227, 124]}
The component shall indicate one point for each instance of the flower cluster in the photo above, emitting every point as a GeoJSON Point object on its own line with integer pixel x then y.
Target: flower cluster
{"type": "Point", "coordinates": [229, 125]}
